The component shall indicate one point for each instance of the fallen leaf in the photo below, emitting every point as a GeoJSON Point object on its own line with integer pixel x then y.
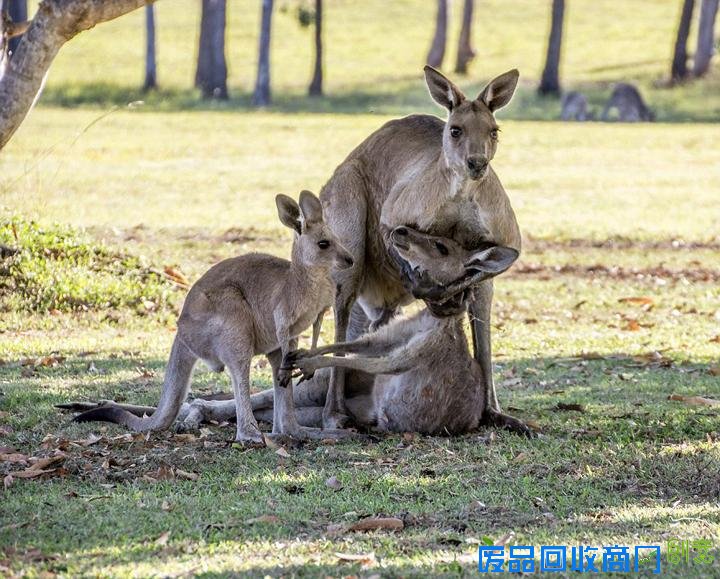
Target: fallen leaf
{"type": "Point", "coordinates": [185, 437]}
{"type": "Point", "coordinates": [282, 452]}
{"type": "Point", "coordinates": [641, 300]}
{"type": "Point", "coordinates": [43, 463]}
{"type": "Point", "coordinates": [7, 481]}
{"type": "Point", "coordinates": [263, 519]}
{"type": "Point", "coordinates": [333, 483]}
{"type": "Point", "coordinates": [30, 473]}
{"type": "Point", "coordinates": [176, 276]}
{"type": "Point", "coordinates": [162, 540]}
{"type": "Point", "coordinates": [166, 506]}
{"type": "Point", "coordinates": [714, 370]}
{"type": "Point", "coordinates": [570, 407]}
{"type": "Point", "coordinates": [186, 475]}
{"type": "Point", "coordinates": [715, 339]}
{"type": "Point", "coordinates": [14, 458]}
{"type": "Point", "coordinates": [632, 326]}
{"type": "Point", "coordinates": [694, 400]}
{"type": "Point", "coordinates": [50, 361]}
{"type": "Point", "coordinates": [505, 539]}
{"type": "Point", "coordinates": [374, 523]}
{"type": "Point", "coordinates": [365, 559]}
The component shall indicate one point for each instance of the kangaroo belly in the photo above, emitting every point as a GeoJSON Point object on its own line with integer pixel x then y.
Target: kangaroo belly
{"type": "Point", "coordinates": [422, 401]}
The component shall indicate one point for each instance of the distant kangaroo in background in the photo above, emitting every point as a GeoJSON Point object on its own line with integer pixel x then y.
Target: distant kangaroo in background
{"type": "Point", "coordinates": [434, 176]}
{"type": "Point", "coordinates": [628, 102]}
{"type": "Point", "coordinates": [575, 107]}
{"type": "Point", "coordinates": [247, 305]}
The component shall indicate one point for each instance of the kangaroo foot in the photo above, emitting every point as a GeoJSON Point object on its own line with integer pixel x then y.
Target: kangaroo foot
{"type": "Point", "coordinates": [505, 421]}
{"type": "Point", "coordinates": [335, 421]}
{"type": "Point", "coordinates": [250, 438]}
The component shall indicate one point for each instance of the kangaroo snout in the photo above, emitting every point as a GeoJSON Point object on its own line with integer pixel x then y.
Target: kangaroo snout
{"type": "Point", "coordinates": [344, 260]}
{"type": "Point", "coordinates": [477, 167]}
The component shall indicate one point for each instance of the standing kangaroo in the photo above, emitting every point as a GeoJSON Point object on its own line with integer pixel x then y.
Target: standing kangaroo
{"type": "Point", "coordinates": [413, 374]}
{"type": "Point", "coordinates": [248, 305]}
{"type": "Point", "coordinates": [436, 177]}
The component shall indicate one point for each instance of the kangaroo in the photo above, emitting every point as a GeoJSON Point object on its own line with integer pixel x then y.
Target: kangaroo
{"type": "Point", "coordinates": [628, 102]}
{"type": "Point", "coordinates": [248, 305]}
{"type": "Point", "coordinates": [575, 107]}
{"type": "Point", "coordinates": [413, 374]}
{"type": "Point", "coordinates": [434, 176]}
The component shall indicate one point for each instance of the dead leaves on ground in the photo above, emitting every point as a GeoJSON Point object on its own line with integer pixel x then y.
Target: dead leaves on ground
{"type": "Point", "coordinates": [694, 400]}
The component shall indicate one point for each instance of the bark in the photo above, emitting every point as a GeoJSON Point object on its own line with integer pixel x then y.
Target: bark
{"type": "Point", "coordinates": [150, 60]}
{"type": "Point", "coordinates": [261, 96]}
{"type": "Point", "coordinates": [706, 37]}
{"type": "Point", "coordinates": [465, 50]}
{"type": "Point", "coordinates": [211, 73]}
{"type": "Point", "coordinates": [437, 48]}
{"type": "Point", "coordinates": [316, 85]}
{"type": "Point", "coordinates": [678, 70]}
{"type": "Point", "coordinates": [18, 13]}
{"type": "Point", "coordinates": [55, 22]}
{"type": "Point", "coordinates": [550, 80]}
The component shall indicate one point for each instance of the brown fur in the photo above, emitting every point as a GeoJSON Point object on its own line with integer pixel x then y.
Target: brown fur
{"type": "Point", "coordinates": [248, 305]}
{"type": "Point", "coordinates": [414, 172]}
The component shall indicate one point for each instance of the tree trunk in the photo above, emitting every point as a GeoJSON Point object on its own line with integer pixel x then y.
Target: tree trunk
{"type": "Point", "coordinates": [18, 13]}
{"type": "Point", "coordinates": [678, 71]}
{"type": "Point", "coordinates": [550, 81]}
{"type": "Point", "coordinates": [706, 37]}
{"type": "Point", "coordinates": [261, 96]}
{"type": "Point", "coordinates": [55, 22]}
{"type": "Point", "coordinates": [150, 62]}
{"type": "Point", "coordinates": [465, 50]}
{"type": "Point", "coordinates": [211, 73]}
{"type": "Point", "coordinates": [437, 48]}
{"type": "Point", "coordinates": [316, 86]}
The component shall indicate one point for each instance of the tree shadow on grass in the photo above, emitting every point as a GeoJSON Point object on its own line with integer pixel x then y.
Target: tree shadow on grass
{"type": "Point", "coordinates": [629, 448]}
{"type": "Point", "coordinates": [391, 97]}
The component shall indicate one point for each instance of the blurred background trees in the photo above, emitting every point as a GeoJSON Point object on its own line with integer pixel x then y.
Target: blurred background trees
{"type": "Point", "coordinates": [550, 79]}
{"type": "Point", "coordinates": [211, 74]}
{"type": "Point", "coordinates": [150, 82]}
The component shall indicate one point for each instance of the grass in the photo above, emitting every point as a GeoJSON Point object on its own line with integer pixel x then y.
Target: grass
{"type": "Point", "coordinates": [372, 64]}
{"type": "Point", "coordinates": [105, 199]}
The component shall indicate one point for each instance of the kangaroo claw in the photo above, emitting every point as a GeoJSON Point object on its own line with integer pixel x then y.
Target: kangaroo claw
{"type": "Point", "coordinates": [507, 422]}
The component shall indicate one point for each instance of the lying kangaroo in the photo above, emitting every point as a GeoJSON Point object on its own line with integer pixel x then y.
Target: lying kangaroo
{"type": "Point", "coordinates": [628, 102]}
{"type": "Point", "coordinates": [247, 305]}
{"type": "Point", "coordinates": [575, 107]}
{"type": "Point", "coordinates": [434, 176]}
{"type": "Point", "coordinates": [414, 374]}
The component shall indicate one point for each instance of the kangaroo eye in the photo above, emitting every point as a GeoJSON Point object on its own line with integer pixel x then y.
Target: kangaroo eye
{"type": "Point", "coordinates": [494, 134]}
{"type": "Point", "coordinates": [455, 132]}
{"type": "Point", "coordinates": [441, 248]}
{"type": "Point", "coordinates": [323, 244]}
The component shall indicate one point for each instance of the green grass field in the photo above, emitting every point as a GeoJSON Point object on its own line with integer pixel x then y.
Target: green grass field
{"type": "Point", "coordinates": [614, 305]}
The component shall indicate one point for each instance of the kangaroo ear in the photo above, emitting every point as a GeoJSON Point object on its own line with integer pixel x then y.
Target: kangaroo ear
{"type": "Point", "coordinates": [500, 90]}
{"type": "Point", "coordinates": [288, 212]}
{"type": "Point", "coordinates": [442, 90]}
{"type": "Point", "coordinates": [491, 261]}
{"type": "Point", "coordinates": [310, 207]}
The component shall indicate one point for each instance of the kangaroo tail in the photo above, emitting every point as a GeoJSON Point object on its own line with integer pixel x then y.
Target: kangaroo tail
{"type": "Point", "coordinates": [174, 392]}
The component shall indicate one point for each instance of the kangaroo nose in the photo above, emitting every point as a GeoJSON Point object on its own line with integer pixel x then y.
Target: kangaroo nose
{"type": "Point", "coordinates": [348, 260]}
{"type": "Point", "coordinates": [401, 231]}
{"type": "Point", "coordinates": [476, 164]}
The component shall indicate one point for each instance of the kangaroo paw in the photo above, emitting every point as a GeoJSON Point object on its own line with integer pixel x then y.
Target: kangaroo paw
{"type": "Point", "coordinates": [250, 439]}
{"type": "Point", "coordinates": [507, 422]}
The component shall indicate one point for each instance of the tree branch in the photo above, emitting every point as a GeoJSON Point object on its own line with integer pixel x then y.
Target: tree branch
{"type": "Point", "coordinates": [55, 22]}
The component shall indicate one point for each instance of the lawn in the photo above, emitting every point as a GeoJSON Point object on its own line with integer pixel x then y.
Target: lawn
{"type": "Point", "coordinates": [613, 307]}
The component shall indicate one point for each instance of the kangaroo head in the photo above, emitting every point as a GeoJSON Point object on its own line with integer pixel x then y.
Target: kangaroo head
{"type": "Point", "coordinates": [444, 260]}
{"type": "Point", "coordinates": [314, 244]}
{"type": "Point", "coordinates": [470, 137]}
